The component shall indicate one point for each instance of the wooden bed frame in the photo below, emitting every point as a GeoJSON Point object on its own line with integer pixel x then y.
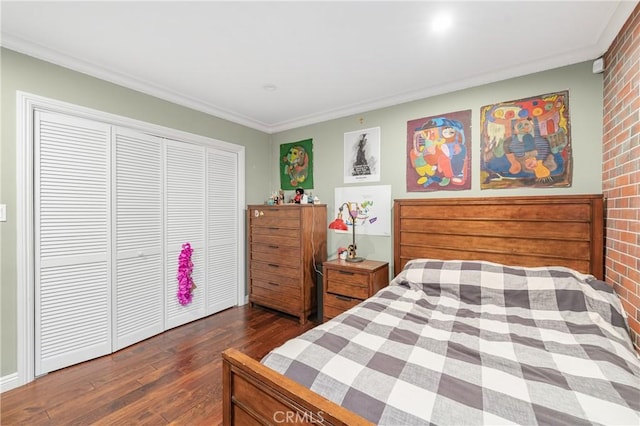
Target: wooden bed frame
{"type": "Point", "coordinates": [526, 231]}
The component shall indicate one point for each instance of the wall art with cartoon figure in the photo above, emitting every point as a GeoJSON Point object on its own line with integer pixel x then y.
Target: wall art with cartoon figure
{"type": "Point", "coordinates": [296, 165]}
{"type": "Point", "coordinates": [526, 143]}
{"type": "Point", "coordinates": [438, 152]}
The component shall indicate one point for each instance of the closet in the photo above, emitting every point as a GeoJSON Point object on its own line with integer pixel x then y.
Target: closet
{"type": "Point", "coordinates": [112, 208]}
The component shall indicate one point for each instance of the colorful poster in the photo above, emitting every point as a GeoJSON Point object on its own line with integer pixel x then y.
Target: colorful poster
{"type": "Point", "coordinates": [439, 152]}
{"type": "Point", "coordinates": [526, 143]}
{"type": "Point", "coordinates": [296, 165]}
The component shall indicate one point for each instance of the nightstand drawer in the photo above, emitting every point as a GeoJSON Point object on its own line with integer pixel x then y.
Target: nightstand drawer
{"type": "Point", "coordinates": [335, 304]}
{"type": "Point", "coordinates": [348, 290]}
{"type": "Point", "coordinates": [355, 278]}
{"type": "Point", "coordinates": [347, 283]}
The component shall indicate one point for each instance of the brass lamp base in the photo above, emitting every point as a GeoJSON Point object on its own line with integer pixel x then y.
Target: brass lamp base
{"type": "Point", "coordinates": [354, 259]}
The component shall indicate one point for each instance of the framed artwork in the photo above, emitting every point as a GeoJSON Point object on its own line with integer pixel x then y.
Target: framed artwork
{"type": "Point", "coordinates": [296, 165]}
{"type": "Point", "coordinates": [374, 208]}
{"type": "Point", "coordinates": [362, 156]}
{"type": "Point", "coordinates": [439, 152]}
{"type": "Point", "coordinates": [526, 143]}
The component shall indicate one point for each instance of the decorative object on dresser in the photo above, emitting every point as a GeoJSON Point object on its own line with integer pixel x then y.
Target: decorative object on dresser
{"type": "Point", "coordinates": [285, 243]}
{"type": "Point", "coordinates": [347, 284]}
{"type": "Point", "coordinates": [339, 224]}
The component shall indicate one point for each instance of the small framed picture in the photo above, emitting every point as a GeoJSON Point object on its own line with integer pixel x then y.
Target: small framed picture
{"type": "Point", "coordinates": [362, 156]}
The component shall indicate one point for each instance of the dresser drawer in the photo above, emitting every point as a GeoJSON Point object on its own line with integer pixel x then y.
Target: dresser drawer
{"type": "Point", "coordinates": [281, 217]}
{"type": "Point", "coordinates": [270, 231]}
{"type": "Point", "coordinates": [276, 238]}
{"type": "Point", "coordinates": [282, 256]}
{"type": "Point", "coordinates": [347, 283]}
{"type": "Point", "coordinates": [289, 277]}
{"type": "Point", "coordinates": [275, 297]}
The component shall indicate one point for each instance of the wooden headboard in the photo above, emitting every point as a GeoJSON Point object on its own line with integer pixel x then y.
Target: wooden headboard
{"type": "Point", "coordinates": [526, 231]}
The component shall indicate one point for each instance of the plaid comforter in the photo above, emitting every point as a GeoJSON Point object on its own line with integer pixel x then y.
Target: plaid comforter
{"type": "Point", "coordinates": [450, 342]}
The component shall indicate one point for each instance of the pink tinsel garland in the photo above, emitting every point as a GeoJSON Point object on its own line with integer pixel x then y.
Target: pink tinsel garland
{"type": "Point", "coordinates": [185, 268]}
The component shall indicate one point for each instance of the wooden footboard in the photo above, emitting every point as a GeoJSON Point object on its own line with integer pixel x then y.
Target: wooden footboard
{"type": "Point", "coordinates": [253, 394]}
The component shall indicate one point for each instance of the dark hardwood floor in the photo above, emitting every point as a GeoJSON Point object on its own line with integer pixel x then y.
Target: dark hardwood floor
{"type": "Point", "coordinates": [172, 378]}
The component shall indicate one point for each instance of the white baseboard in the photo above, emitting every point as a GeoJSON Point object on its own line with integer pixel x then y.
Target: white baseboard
{"type": "Point", "coordinates": [9, 382]}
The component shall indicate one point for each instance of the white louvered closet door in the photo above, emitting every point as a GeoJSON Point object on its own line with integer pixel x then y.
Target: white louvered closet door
{"type": "Point", "coordinates": [139, 278]}
{"type": "Point", "coordinates": [72, 241]}
{"type": "Point", "coordinates": [222, 230]}
{"type": "Point", "coordinates": [185, 220]}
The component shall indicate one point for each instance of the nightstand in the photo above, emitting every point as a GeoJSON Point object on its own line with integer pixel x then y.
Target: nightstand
{"type": "Point", "coordinates": [346, 284]}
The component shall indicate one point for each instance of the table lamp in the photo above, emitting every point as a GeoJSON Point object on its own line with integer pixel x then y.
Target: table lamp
{"type": "Point", "coordinates": [339, 224]}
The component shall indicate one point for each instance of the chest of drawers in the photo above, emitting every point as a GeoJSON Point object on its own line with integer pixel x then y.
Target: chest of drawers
{"type": "Point", "coordinates": [284, 245]}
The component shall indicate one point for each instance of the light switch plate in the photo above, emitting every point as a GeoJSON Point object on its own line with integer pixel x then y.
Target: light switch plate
{"type": "Point", "coordinates": [3, 212]}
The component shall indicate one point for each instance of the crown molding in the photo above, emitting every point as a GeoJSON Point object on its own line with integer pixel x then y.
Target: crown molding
{"type": "Point", "coordinates": [122, 79]}
{"type": "Point", "coordinates": [600, 46]}
{"type": "Point", "coordinates": [614, 24]}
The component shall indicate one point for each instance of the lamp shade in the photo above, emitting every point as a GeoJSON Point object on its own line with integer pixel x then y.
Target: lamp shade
{"type": "Point", "coordinates": [339, 225]}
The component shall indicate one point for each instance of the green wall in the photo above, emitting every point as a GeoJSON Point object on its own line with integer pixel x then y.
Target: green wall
{"type": "Point", "coordinates": [24, 73]}
{"type": "Point", "coordinates": [585, 105]}
{"type": "Point", "coordinates": [20, 72]}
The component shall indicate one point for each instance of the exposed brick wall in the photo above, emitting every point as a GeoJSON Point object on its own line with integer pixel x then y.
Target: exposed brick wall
{"type": "Point", "coordinates": [621, 168]}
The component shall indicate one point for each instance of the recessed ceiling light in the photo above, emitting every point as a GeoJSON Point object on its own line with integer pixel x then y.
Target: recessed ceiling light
{"type": "Point", "coordinates": [270, 87]}
{"type": "Point", "coordinates": [441, 22]}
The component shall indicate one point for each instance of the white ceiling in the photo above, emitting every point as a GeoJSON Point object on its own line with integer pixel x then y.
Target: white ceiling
{"type": "Point", "coordinates": [327, 59]}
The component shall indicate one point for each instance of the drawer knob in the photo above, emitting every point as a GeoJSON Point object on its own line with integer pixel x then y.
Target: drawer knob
{"type": "Point", "coordinates": [346, 273]}
{"type": "Point", "coordinates": [273, 265]}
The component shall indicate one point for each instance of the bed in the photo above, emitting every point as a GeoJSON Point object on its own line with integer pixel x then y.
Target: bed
{"type": "Point", "coordinates": [496, 315]}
